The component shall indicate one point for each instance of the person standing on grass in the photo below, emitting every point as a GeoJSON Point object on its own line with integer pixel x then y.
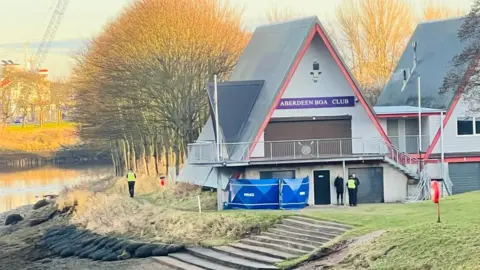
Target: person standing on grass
{"type": "Point", "coordinates": [339, 186]}
{"type": "Point", "coordinates": [357, 184]}
{"type": "Point", "coordinates": [131, 177]}
{"type": "Point", "coordinates": [352, 190]}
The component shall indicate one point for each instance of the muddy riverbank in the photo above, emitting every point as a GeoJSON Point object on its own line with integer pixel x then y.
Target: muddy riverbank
{"type": "Point", "coordinates": [22, 247]}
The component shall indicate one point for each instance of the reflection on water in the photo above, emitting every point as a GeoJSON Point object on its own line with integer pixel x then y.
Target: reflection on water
{"type": "Point", "coordinates": [19, 188]}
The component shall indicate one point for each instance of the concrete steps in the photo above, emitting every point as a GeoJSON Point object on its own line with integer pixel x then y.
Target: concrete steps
{"type": "Point", "coordinates": [228, 260]}
{"type": "Point", "coordinates": [190, 259]}
{"type": "Point", "coordinates": [304, 231]}
{"type": "Point", "coordinates": [175, 263]}
{"type": "Point", "coordinates": [294, 237]}
{"type": "Point", "coordinates": [247, 255]}
{"type": "Point", "coordinates": [303, 236]}
{"type": "Point", "coordinates": [263, 251]}
{"type": "Point", "coordinates": [294, 244]}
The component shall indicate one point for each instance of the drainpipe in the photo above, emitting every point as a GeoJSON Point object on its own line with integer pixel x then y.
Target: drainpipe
{"type": "Point", "coordinates": [420, 123]}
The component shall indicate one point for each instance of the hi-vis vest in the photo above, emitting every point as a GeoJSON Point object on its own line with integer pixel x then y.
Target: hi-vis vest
{"type": "Point", "coordinates": [131, 177]}
{"type": "Point", "coordinates": [351, 183]}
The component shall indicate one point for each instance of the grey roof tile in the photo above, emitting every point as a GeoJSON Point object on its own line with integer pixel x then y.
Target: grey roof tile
{"type": "Point", "coordinates": [437, 44]}
{"type": "Point", "coordinates": [235, 102]}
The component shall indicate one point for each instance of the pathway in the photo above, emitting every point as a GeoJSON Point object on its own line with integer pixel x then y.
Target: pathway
{"type": "Point", "coordinates": [293, 237]}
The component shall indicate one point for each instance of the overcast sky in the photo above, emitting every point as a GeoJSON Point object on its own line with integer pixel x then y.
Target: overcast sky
{"type": "Point", "coordinates": [26, 20]}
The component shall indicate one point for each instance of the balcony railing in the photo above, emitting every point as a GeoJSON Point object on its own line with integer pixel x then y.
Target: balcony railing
{"type": "Point", "coordinates": [206, 152]}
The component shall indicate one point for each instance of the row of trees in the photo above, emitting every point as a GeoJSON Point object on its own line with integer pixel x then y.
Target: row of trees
{"type": "Point", "coordinates": [23, 93]}
{"type": "Point", "coordinates": [372, 34]}
{"type": "Point", "coordinates": [140, 86]}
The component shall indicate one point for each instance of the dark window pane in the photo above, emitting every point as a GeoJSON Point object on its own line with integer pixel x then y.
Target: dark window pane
{"type": "Point", "coordinates": [477, 126]}
{"type": "Point", "coordinates": [464, 127]}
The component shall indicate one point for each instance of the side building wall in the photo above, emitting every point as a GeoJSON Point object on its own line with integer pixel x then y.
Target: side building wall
{"type": "Point", "coordinates": [394, 182]}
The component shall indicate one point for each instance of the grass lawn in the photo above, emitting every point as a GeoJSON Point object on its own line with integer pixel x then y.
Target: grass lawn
{"type": "Point", "coordinates": [413, 238]}
{"type": "Point", "coordinates": [32, 138]}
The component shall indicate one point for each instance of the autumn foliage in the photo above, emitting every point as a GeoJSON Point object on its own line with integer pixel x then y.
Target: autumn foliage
{"type": "Point", "coordinates": [141, 84]}
{"type": "Point", "coordinates": [373, 34]}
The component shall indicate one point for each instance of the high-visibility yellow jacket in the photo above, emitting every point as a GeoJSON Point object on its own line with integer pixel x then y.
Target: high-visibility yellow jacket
{"type": "Point", "coordinates": [351, 183]}
{"type": "Point", "coordinates": [131, 177]}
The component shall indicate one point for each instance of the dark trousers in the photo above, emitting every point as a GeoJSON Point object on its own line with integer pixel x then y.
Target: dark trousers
{"type": "Point", "coordinates": [339, 197]}
{"type": "Point", "coordinates": [131, 188]}
{"type": "Point", "coordinates": [352, 197]}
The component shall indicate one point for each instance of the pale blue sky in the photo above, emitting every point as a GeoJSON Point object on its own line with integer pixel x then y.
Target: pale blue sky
{"type": "Point", "coordinates": [26, 20]}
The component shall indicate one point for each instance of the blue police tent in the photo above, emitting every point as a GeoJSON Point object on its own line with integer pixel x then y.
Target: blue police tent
{"type": "Point", "coordinates": [253, 194]}
{"type": "Point", "coordinates": [294, 193]}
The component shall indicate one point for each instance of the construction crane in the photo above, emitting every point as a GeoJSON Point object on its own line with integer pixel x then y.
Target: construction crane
{"type": "Point", "coordinates": [52, 28]}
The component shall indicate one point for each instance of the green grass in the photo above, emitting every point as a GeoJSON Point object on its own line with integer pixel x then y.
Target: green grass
{"type": "Point", "coordinates": [413, 239]}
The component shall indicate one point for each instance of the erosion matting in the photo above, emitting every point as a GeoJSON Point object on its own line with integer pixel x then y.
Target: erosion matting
{"type": "Point", "coordinates": [70, 241]}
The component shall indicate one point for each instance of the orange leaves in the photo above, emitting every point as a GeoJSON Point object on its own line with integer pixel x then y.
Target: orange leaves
{"type": "Point", "coordinates": [375, 31]}
{"type": "Point", "coordinates": [434, 11]}
{"type": "Point", "coordinates": [197, 30]}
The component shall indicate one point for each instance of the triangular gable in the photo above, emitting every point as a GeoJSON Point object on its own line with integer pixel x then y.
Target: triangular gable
{"type": "Point", "coordinates": [235, 101]}
{"type": "Point", "coordinates": [317, 29]}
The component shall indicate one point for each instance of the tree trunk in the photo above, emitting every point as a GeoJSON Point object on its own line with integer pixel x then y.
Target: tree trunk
{"type": "Point", "coordinates": [59, 117]}
{"type": "Point", "coordinates": [177, 159]}
{"type": "Point", "coordinates": [167, 157]}
{"type": "Point", "coordinates": [123, 157]}
{"type": "Point", "coordinates": [141, 165]}
{"type": "Point", "coordinates": [150, 151]}
{"type": "Point", "coordinates": [40, 115]}
{"type": "Point", "coordinates": [133, 156]}
{"type": "Point", "coordinates": [157, 155]}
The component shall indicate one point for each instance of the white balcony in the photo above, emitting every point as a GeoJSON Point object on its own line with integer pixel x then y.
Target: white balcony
{"type": "Point", "coordinates": [294, 150]}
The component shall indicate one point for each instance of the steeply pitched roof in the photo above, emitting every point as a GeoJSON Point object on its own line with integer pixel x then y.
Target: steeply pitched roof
{"type": "Point", "coordinates": [235, 102]}
{"type": "Point", "coordinates": [272, 56]}
{"type": "Point", "coordinates": [269, 56]}
{"type": "Point", "coordinates": [437, 44]}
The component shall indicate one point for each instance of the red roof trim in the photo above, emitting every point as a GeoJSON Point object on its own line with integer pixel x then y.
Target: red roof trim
{"type": "Point", "coordinates": [319, 30]}
{"type": "Point", "coordinates": [401, 115]}
{"type": "Point", "coordinates": [282, 89]}
{"type": "Point", "coordinates": [462, 159]}
{"type": "Point", "coordinates": [449, 113]}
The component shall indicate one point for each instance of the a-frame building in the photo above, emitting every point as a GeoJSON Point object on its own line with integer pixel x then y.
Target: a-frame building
{"type": "Point", "coordinates": [293, 109]}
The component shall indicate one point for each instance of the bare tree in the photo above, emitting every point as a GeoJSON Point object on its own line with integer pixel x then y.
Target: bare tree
{"type": "Point", "coordinates": [141, 84]}
{"type": "Point", "coordinates": [464, 76]}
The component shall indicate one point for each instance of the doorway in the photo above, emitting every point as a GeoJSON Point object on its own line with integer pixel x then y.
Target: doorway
{"type": "Point", "coordinates": [321, 187]}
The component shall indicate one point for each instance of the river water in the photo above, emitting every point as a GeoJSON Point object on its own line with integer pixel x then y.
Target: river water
{"type": "Point", "coordinates": [22, 187]}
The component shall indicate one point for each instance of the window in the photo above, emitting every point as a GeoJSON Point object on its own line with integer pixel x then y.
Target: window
{"type": "Point", "coordinates": [468, 125]}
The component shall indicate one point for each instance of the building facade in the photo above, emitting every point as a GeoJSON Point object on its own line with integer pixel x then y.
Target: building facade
{"type": "Point", "coordinates": [449, 138]}
{"type": "Point", "coordinates": [292, 109]}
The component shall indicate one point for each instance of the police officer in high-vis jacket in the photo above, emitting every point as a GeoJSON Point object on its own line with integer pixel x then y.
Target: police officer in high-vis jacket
{"type": "Point", "coordinates": [131, 177]}
{"type": "Point", "coordinates": [352, 187]}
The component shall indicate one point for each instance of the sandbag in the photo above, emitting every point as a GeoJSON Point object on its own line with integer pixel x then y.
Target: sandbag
{"type": "Point", "coordinates": [40, 204]}
{"type": "Point", "coordinates": [133, 247]}
{"type": "Point", "coordinates": [66, 253]}
{"type": "Point", "coordinates": [145, 251]}
{"type": "Point", "coordinates": [13, 219]}
{"type": "Point", "coordinates": [110, 257]}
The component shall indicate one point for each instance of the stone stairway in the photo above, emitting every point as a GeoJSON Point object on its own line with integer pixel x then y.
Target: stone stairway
{"type": "Point", "coordinates": [293, 237]}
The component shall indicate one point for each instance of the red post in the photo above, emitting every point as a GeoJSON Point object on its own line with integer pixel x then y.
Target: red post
{"type": "Point", "coordinates": [435, 193]}
{"type": "Point", "coordinates": [162, 181]}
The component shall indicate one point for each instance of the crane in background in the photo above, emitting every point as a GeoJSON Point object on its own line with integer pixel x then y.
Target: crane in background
{"type": "Point", "coordinates": [47, 39]}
